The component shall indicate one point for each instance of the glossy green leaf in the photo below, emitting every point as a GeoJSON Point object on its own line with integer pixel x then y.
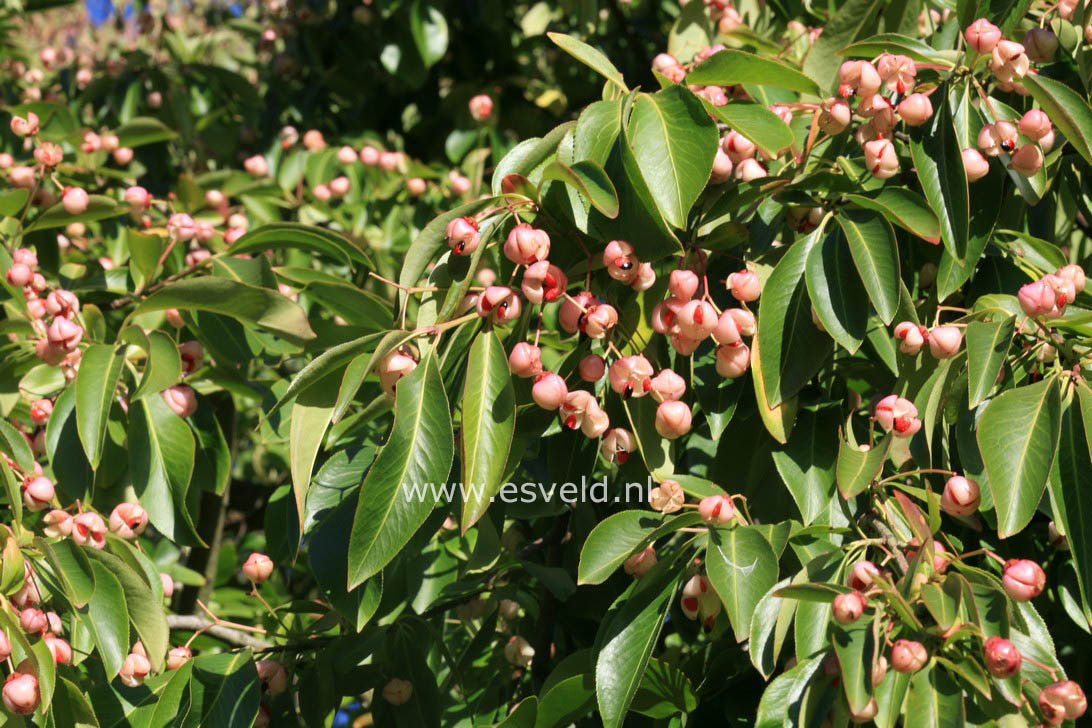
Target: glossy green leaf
{"type": "Point", "coordinates": [590, 57]}
{"type": "Point", "coordinates": [1018, 438]}
{"type": "Point", "coordinates": [432, 241]}
{"type": "Point", "coordinates": [836, 291]}
{"type": "Point", "coordinates": [627, 636]}
{"type": "Point", "coordinates": [429, 29]}
{"type": "Point", "coordinates": [144, 604]}
{"type": "Point", "coordinates": [934, 700]}
{"type": "Point", "coordinates": [310, 417]}
{"type": "Point", "coordinates": [673, 142]}
{"type": "Point", "coordinates": [988, 345]}
{"type": "Point", "coordinates": [224, 691]}
{"type": "Point", "coordinates": [72, 567]}
{"type": "Point", "coordinates": [107, 616]}
{"type": "Point", "coordinates": [489, 422]}
{"type": "Point", "coordinates": [12, 200]}
{"type": "Point", "coordinates": [857, 468]}
{"type": "Point", "coordinates": [142, 130]}
{"type": "Point", "coordinates": [588, 179]}
{"type": "Point", "coordinates": [895, 43]}
{"type": "Point", "coordinates": [742, 567]}
{"type": "Point", "coordinates": [1066, 109]}
{"type": "Point", "coordinates": [1073, 500]}
{"type": "Point", "coordinates": [769, 627]}
{"type": "Point", "coordinates": [793, 348]}
{"type": "Point", "coordinates": [938, 160]}
{"type": "Point", "coordinates": [780, 704]}
{"type": "Point", "coordinates": [96, 384]}
{"type": "Point", "coordinates": [417, 455]}
{"type": "Point", "coordinates": [241, 301]}
{"type": "Point", "coordinates": [336, 358]}
{"type": "Point", "coordinates": [734, 67]}
{"type": "Point", "coordinates": [872, 244]}
{"type": "Point", "coordinates": [15, 445]}
{"type": "Point", "coordinates": [778, 419]}
{"type": "Point", "coordinates": [618, 536]}
{"type": "Point", "coordinates": [904, 208]}
{"type": "Point", "coordinates": [161, 451]}
{"type": "Point", "coordinates": [757, 123]}
{"type": "Point", "coordinates": [853, 645]}
{"type": "Point", "coordinates": [297, 236]}
{"type": "Point", "coordinates": [99, 207]}
{"type": "Point", "coordinates": [806, 464]}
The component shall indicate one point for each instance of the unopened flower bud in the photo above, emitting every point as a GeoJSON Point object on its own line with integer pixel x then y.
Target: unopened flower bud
{"type": "Point", "coordinates": [975, 165]}
{"type": "Point", "coordinates": [640, 563]}
{"type": "Point", "coordinates": [1027, 160]}
{"type": "Point", "coordinates": [181, 399]}
{"type": "Point", "coordinates": [592, 368]}
{"type": "Point", "coordinates": [733, 360]}
{"type": "Point", "coordinates": [481, 107]}
{"type": "Point", "coordinates": [961, 496]}
{"type": "Point", "coordinates": [38, 493]}
{"type": "Point", "coordinates": [398, 691]}
{"type": "Point", "coordinates": [908, 656]}
{"type": "Point", "coordinates": [848, 608]}
{"type": "Point", "coordinates": [258, 567]}
{"type": "Point", "coordinates": [1002, 658]}
{"type": "Point", "coordinates": [526, 245]}
{"type": "Point", "coordinates": [915, 109]}
{"type": "Point", "coordinates": [178, 657]}
{"type": "Point", "coordinates": [20, 694]}
{"type": "Point", "coordinates": [944, 341]}
{"type": "Point", "coordinates": [744, 285]}
{"type": "Point", "coordinates": [549, 390]}
{"type": "Point", "coordinates": [982, 35]}
{"type": "Point", "coordinates": [717, 510]}
{"type": "Point", "coordinates": [1023, 579]}
{"type": "Point", "coordinates": [75, 200]}
{"type": "Point", "coordinates": [525, 360]}
{"type": "Point", "coordinates": [673, 419]}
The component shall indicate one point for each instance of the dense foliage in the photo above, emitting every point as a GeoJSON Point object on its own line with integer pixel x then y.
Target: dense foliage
{"type": "Point", "coordinates": [467, 362]}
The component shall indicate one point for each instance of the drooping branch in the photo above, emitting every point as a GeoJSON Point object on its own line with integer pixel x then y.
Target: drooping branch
{"type": "Point", "coordinates": [194, 623]}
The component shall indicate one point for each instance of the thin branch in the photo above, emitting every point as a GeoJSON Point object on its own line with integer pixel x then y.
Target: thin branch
{"type": "Point", "coordinates": [194, 623]}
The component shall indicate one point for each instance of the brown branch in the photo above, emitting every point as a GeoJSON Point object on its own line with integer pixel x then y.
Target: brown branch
{"type": "Point", "coordinates": [193, 623]}
{"type": "Point", "coordinates": [889, 540]}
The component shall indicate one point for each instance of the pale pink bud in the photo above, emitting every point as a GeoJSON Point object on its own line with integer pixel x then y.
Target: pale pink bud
{"type": "Point", "coordinates": [340, 186]}
{"type": "Point", "coordinates": [1008, 61]}
{"type": "Point", "coordinates": [912, 336]}
{"type": "Point", "coordinates": [916, 109]}
{"type": "Point", "coordinates": [667, 497]}
{"type": "Point", "coordinates": [58, 523]}
{"type": "Point", "coordinates": [25, 127]}
{"type": "Point", "coordinates": [22, 177]}
{"type": "Point", "coordinates": [862, 574]}
{"type": "Point", "coordinates": [592, 368]}
{"type": "Point", "coordinates": [599, 320]}
{"type": "Point", "coordinates": [974, 164]}
{"type": "Point", "coordinates": [181, 226]}
{"type": "Point", "coordinates": [138, 197]}
{"type": "Point", "coordinates": [1074, 274]}
{"type": "Point", "coordinates": [944, 341]}
{"type": "Point", "coordinates": [982, 35]}
{"type": "Point", "coordinates": [75, 200]}
{"type": "Point", "coordinates": [1027, 160]}
{"type": "Point", "coordinates": [617, 445]}
{"type": "Point", "coordinates": [733, 360]}
{"type": "Point", "coordinates": [683, 284]}
{"type": "Point", "coordinates": [174, 318]}
{"type": "Point", "coordinates": [5, 646]}
{"type": "Point", "coordinates": [744, 285]}
{"type": "Point", "coordinates": [722, 168]}
{"type": "Point", "coordinates": [697, 319]}
{"type": "Point", "coordinates": [549, 390]}
{"type": "Point", "coordinates": [460, 184]}
{"type": "Point", "coordinates": [519, 652]}
{"type": "Point", "coordinates": [61, 302]}
{"type": "Point", "coordinates": [631, 376]}
{"type": "Point", "coordinates": [369, 155]}
{"type": "Point", "coordinates": [858, 77]}
{"type": "Point", "coordinates": [673, 419]}
{"type": "Point", "coordinates": [727, 331]}
{"type": "Point", "coordinates": [256, 166]}
{"type": "Point", "coordinates": [178, 657]}
{"type": "Point", "coordinates": [836, 116]}
{"type": "Point", "coordinates": [481, 107]}
{"type": "Point", "coordinates": [543, 282]}
{"type": "Point", "coordinates": [1037, 298]}
{"type": "Point", "coordinates": [961, 496]}
{"type": "Point", "coordinates": [258, 567]}
{"type": "Point", "coordinates": [1023, 579]}
{"type": "Point", "coordinates": [897, 415]}
{"type": "Point", "coordinates": [33, 620]}
{"type": "Point", "coordinates": [500, 303]}
{"type": "Point", "coordinates": [313, 140]}
{"type": "Point", "coordinates": [416, 186]}
{"type": "Point", "coordinates": [668, 67]}
{"type": "Point", "coordinates": [321, 193]}
{"type": "Point", "coordinates": [1002, 658]}
{"type": "Point", "coordinates": [462, 235]}
{"type": "Point", "coordinates": [398, 691]}
{"type": "Point", "coordinates": [525, 360]}
{"type": "Point", "coordinates": [667, 385]}
{"type": "Point", "coordinates": [21, 695]}
{"type": "Point", "coordinates": [1035, 125]}
{"type": "Point", "coordinates": [1063, 700]}
{"type": "Point", "coordinates": [88, 529]}
{"type": "Point", "coordinates": [346, 155]}
{"type": "Point", "coordinates": [389, 161]}
{"type": "Point", "coordinates": [641, 562]}
{"type": "Point", "coordinates": [645, 278]}
{"type": "Point", "coordinates": [134, 669]}
{"type": "Point", "coordinates": [750, 169]}
{"type": "Point", "coordinates": [128, 520]}
{"type": "Point", "coordinates": [737, 147]}
{"type": "Point", "coordinates": [59, 648]}
{"type": "Point", "coordinates": [717, 510]}
{"type": "Point", "coordinates": [122, 156]}
{"type": "Point", "coordinates": [20, 275]}
{"type": "Point", "coordinates": [908, 656]}
{"type": "Point", "coordinates": [526, 245]}
{"type": "Point", "coordinates": [880, 158]}
{"type": "Point", "coordinates": [181, 399]}
{"type": "Point", "coordinates": [849, 607]}
{"type": "Point", "coordinates": [571, 315]}
{"type": "Point", "coordinates": [37, 493]}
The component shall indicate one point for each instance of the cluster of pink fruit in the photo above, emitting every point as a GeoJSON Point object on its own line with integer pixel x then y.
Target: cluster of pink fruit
{"type": "Point", "coordinates": [1047, 297]}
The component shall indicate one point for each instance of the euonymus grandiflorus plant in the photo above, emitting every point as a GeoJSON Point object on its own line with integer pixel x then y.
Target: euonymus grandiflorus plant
{"type": "Point", "coordinates": [755, 391]}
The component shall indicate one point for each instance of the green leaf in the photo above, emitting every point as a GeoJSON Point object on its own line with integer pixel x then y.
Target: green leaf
{"type": "Point", "coordinates": [72, 568]}
{"type": "Point", "coordinates": [876, 255]}
{"type": "Point", "coordinates": [793, 347]}
{"type": "Point", "coordinates": [241, 301]}
{"type": "Point", "coordinates": [590, 57]}
{"type": "Point", "coordinates": [779, 419]}
{"type": "Point", "coordinates": [297, 236]}
{"type": "Point", "coordinates": [143, 130]}
{"type": "Point", "coordinates": [853, 645]}
{"type": "Point", "coordinates": [489, 423]}
{"type": "Point", "coordinates": [782, 700]}
{"type": "Point", "coordinates": [732, 67]}
{"type": "Point", "coordinates": [665, 692]}
{"type": "Point", "coordinates": [769, 627]}
{"type": "Point", "coordinates": [96, 384]}
{"type": "Point", "coordinates": [1018, 438]}
{"type": "Point", "coordinates": [144, 604]}
{"type": "Point", "coordinates": [806, 464]}
{"type": "Point", "coordinates": [12, 200]}
{"type": "Point", "coordinates": [106, 614]}
{"type": "Point", "coordinates": [224, 691]}
{"type": "Point", "coordinates": [335, 359]}
{"type": "Point", "coordinates": [310, 417]}
{"type": "Point", "coordinates": [328, 554]}
{"type": "Point", "coordinates": [99, 207]}
{"type": "Point", "coordinates": [762, 126]}
{"type": "Point", "coordinates": [691, 33]}
{"type": "Point", "coordinates": [904, 208]}
{"type": "Point", "coordinates": [943, 602]}
{"type": "Point", "coordinates": [857, 468]}
{"type": "Point", "coordinates": [522, 716]}
{"type": "Point", "coordinates": [895, 43]}
{"type": "Point", "coordinates": [1073, 500]}
{"type": "Point", "coordinates": [590, 180]}
{"type": "Point", "coordinates": [162, 367]}
{"type": "Point", "coordinates": [938, 160]}
{"type": "Point", "coordinates": [432, 241]}
{"type": "Point", "coordinates": [655, 450]}
{"type": "Point", "coordinates": [161, 448]}
{"type": "Point", "coordinates": [742, 567]}
{"type": "Point", "coordinates": [618, 536]}
{"type": "Point", "coordinates": [1066, 109]}
{"type": "Point", "coordinates": [627, 636]}
{"type": "Point", "coordinates": [987, 347]}
{"type": "Point", "coordinates": [418, 454]}
{"type": "Point", "coordinates": [836, 291]}
{"type": "Point", "coordinates": [934, 700]}
{"type": "Point", "coordinates": [429, 29]}
{"type": "Point", "coordinates": [16, 446]}
{"type": "Point", "coordinates": [673, 142]}
{"type": "Point", "coordinates": [852, 20]}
